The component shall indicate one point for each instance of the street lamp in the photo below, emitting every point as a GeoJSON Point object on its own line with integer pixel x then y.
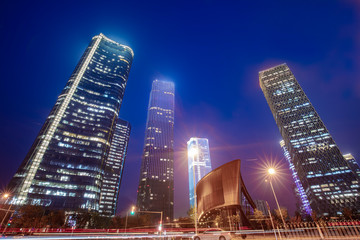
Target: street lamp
{"type": "Point", "coordinates": [193, 152]}
{"type": "Point", "coordinates": [272, 172]}
{"type": "Point", "coordinates": [132, 212]}
{"type": "Point", "coordinates": [6, 196]}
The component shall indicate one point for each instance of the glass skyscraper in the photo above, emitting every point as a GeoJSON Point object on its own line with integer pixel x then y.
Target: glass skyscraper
{"type": "Point", "coordinates": [114, 167]}
{"type": "Point", "coordinates": [299, 190]}
{"type": "Point", "coordinates": [353, 164]}
{"type": "Point", "coordinates": [65, 166]}
{"type": "Point", "coordinates": [156, 184]}
{"type": "Point", "coordinates": [198, 161]}
{"type": "Point", "coordinates": [325, 176]}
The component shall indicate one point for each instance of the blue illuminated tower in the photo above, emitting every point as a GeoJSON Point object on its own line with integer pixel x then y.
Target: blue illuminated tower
{"type": "Point", "coordinates": [199, 162]}
{"type": "Point", "coordinates": [66, 164]}
{"type": "Point", "coordinates": [323, 174]}
{"type": "Point", "coordinates": [114, 168]}
{"type": "Point", "coordinates": [156, 184]}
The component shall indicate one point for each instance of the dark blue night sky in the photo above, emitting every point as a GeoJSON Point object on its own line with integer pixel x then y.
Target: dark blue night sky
{"type": "Point", "coordinates": [212, 50]}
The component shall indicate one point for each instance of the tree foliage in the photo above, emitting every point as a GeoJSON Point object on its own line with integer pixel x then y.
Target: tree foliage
{"type": "Point", "coordinates": [28, 216]}
{"type": "Point", "coordinates": [284, 213]}
{"type": "Point", "coordinates": [191, 213]}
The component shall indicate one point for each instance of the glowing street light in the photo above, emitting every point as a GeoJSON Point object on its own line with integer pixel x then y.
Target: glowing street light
{"type": "Point", "coordinates": [271, 171]}
{"type": "Point", "coordinates": [192, 153]}
{"type": "Point", "coordinates": [6, 196]}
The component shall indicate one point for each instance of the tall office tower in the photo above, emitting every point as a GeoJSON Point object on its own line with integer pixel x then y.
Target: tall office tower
{"type": "Point", "coordinates": [299, 190]}
{"type": "Point", "coordinates": [324, 174]}
{"type": "Point", "coordinates": [156, 184]}
{"type": "Point", "coordinates": [352, 163]}
{"type": "Point", "coordinates": [198, 162]}
{"type": "Point", "coordinates": [114, 167]}
{"type": "Point", "coordinates": [65, 166]}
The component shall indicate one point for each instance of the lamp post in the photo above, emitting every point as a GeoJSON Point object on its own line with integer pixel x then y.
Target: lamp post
{"type": "Point", "coordinates": [193, 153]}
{"type": "Point", "coordinates": [132, 212]}
{"type": "Point", "coordinates": [272, 223]}
{"type": "Point", "coordinates": [6, 196]}
{"type": "Point", "coordinates": [271, 172]}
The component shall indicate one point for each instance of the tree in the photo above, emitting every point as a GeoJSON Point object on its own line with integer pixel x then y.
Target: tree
{"type": "Point", "coordinates": [191, 213]}
{"type": "Point", "coordinates": [284, 213]}
{"type": "Point", "coordinates": [314, 216]}
{"type": "Point", "coordinates": [28, 216]}
{"type": "Point", "coordinates": [235, 220]}
{"type": "Point", "coordinates": [53, 219]}
{"type": "Point", "coordinates": [259, 217]}
{"type": "Point", "coordinates": [297, 218]}
{"type": "Point", "coordinates": [347, 213]}
{"type": "Point", "coordinates": [98, 222]}
{"type": "Point", "coordinates": [117, 222]}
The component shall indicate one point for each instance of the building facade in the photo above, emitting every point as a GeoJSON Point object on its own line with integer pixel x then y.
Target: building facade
{"type": "Point", "coordinates": [352, 163]}
{"type": "Point", "coordinates": [114, 168]}
{"type": "Point", "coordinates": [222, 192]}
{"type": "Point", "coordinates": [261, 205]}
{"type": "Point", "coordinates": [199, 162]}
{"type": "Point", "coordinates": [65, 166]}
{"type": "Point", "coordinates": [302, 204]}
{"type": "Point", "coordinates": [156, 184]}
{"type": "Point", "coordinates": [325, 176]}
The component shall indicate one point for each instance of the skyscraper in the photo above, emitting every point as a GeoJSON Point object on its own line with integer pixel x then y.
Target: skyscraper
{"type": "Point", "coordinates": [352, 163]}
{"type": "Point", "coordinates": [114, 167]}
{"type": "Point", "coordinates": [299, 190]}
{"type": "Point", "coordinates": [156, 184]}
{"type": "Point", "coordinates": [198, 161]}
{"type": "Point", "coordinates": [65, 166]}
{"type": "Point", "coordinates": [326, 178]}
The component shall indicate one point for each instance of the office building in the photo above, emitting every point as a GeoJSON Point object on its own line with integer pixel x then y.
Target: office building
{"type": "Point", "coordinates": [302, 199]}
{"type": "Point", "coordinates": [114, 167]}
{"type": "Point", "coordinates": [65, 166]}
{"type": "Point", "coordinates": [199, 163]}
{"type": "Point", "coordinates": [156, 184]}
{"type": "Point", "coordinates": [326, 178]}
{"type": "Point", "coordinates": [352, 163]}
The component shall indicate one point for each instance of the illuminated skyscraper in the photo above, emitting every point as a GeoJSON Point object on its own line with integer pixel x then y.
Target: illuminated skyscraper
{"type": "Point", "coordinates": [156, 184]}
{"type": "Point", "coordinates": [352, 163]}
{"type": "Point", "coordinates": [198, 159]}
{"type": "Point", "coordinates": [65, 166]}
{"type": "Point", "coordinates": [325, 176]}
{"type": "Point", "coordinates": [114, 167]}
{"type": "Point", "coordinates": [299, 190]}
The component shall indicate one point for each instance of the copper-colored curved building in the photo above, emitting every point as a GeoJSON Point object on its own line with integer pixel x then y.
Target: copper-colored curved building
{"type": "Point", "coordinates": [222, 193]}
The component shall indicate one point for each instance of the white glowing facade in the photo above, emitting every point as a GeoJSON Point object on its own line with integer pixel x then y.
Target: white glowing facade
{"type": "Point", "coordinates": [65, 166]}
{"type": "Point", "coordinates": [198, 161]}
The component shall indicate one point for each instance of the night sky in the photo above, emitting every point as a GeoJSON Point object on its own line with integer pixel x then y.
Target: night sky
{"type": "Point", "coordinates": [212, 50]}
